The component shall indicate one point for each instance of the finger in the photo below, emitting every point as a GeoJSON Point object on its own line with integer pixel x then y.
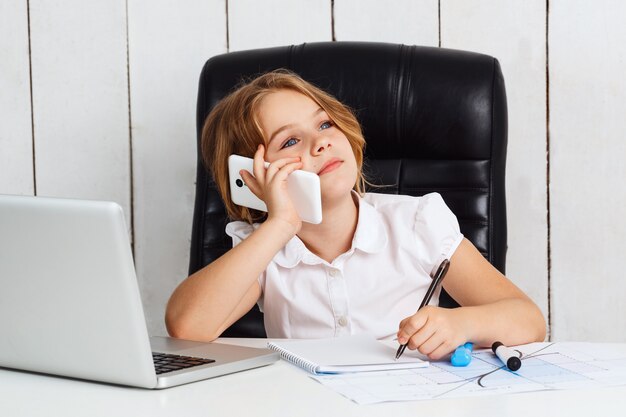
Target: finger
{"type": "Point", "coordinates": [251, 183]}
{"type": "Point", "coordinates": [431, 346]}
{"type": "Point", "coordinates": [426, 342]}
{"type": "Point", "coordinates": [410, 326]}
{"type": "Point", "coordinates": [258, 166]}
{"type": "Point", "coordinates": [278, 165]}
{"type": "Point", "coordinates": [401, 325]}
{"type": "Point", "coordinates": [442, 350]}
{"type": "Point", "coordinates": [287, 169]}
{"type": "Point", "coordinates": [423, 335]}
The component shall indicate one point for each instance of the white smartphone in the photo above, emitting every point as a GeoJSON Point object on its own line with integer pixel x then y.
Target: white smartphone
{"type": "Point", "coordinates": [303, 188]}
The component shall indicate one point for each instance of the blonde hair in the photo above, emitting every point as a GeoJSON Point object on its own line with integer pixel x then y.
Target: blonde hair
{"type": "Point", "coordinates": [233, 127]}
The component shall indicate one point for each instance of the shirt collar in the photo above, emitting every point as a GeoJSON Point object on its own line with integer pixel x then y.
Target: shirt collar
{"type": "Point", "coordinates": [370, 237]}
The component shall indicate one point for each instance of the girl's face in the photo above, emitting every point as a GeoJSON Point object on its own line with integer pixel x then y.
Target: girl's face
{"type": "Point", "coordinates": [295, 126]}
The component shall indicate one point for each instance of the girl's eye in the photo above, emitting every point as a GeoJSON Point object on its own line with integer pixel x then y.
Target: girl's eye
{"type": "Point", "coordinates": [289, 143]}
{"type": "Point", "coordinates": [326, 125]}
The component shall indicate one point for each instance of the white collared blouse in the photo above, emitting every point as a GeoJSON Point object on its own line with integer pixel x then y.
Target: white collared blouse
{"type": "Point", "coordinates": [399, 242]}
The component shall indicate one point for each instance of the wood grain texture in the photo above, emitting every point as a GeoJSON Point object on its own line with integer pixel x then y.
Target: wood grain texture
{"type": "Point", "coordinates": [514, 33]}
{"type": "Point", "coordinates": [169, 42]}
{"type": "Point", "coordinates": [80, 99]}
{"type": "Point", "coordinates": [404, 21]}
{"type": "Point", "coordinates": [16, 139]}
{"type": "Point", "coordinates": [268, 23]}
{"type": "Point", "coordinates": [587, 125]}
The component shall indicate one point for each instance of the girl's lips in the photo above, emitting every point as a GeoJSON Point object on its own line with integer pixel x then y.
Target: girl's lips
{"type": "Point", "coordinates": [329, 166]}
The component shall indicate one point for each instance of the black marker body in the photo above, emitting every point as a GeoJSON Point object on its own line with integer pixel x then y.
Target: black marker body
{"type": "Point", "coordinates": [507, 355]}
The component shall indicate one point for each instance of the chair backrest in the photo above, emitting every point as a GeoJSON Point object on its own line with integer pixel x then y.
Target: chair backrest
{"type": "Point", "coordinates": [434, 120]}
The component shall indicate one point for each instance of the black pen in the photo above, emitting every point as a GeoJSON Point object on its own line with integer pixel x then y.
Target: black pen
{"type": "Point", "coordinates": [441, 272]}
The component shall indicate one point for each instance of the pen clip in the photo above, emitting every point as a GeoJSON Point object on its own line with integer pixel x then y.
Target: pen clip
{"type": "Point", "coordinates": [442, 269]}
{"type": "Point", "coordinates": [441, 272]}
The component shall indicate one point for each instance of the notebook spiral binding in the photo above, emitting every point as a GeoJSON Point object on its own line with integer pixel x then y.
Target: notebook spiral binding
{"type": "Point", "coordinates": [296, 360]}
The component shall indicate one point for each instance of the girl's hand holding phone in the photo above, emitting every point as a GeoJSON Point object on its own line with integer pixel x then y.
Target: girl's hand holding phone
{"type": "Point", "coordinates": [270, 185]}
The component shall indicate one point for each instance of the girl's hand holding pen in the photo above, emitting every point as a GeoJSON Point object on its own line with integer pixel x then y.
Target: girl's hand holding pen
{"type": "Point", "coordinates": [270, 185]}
{"type": "Point", "coordinates": [433, 331]}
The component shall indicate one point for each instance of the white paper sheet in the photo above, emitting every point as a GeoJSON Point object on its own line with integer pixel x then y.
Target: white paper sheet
{"type": "Point", "coordinates": [355, 353]}
{"type": "Point", "coordinates": [545, 366]}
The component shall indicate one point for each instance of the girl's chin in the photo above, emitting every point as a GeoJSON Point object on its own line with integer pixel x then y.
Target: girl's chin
{"type": "Point", "coordinates": [336, 193]}
{"type": "Point", "coordinates": [336, 186]}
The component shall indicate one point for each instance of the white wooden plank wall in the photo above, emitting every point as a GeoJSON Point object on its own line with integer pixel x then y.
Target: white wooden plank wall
{"type": "Point", "coordinates": [16, 140]}
{"type": "Point", "coordinates": [168, 45]}
{"type": "Point", "coordinates": [587, 169]}
{"type": "Point", "coordinates": [263, 24]}
{"type": "Point", "coordinates": [514, 32]}
{"type": "Point", "coordinates": [413, 22]}
{"type": "Point", "coordinates": [98, 66]}
{"type": "Point", "coordinates": [80, 99]}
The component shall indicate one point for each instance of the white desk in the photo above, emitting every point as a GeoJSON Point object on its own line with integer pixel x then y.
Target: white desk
{"type": "Point", "coordinates": [276, 390]}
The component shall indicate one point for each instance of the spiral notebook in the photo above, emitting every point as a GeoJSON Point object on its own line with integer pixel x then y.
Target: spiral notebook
{"type": "Point", "coordinates": [357, 353]}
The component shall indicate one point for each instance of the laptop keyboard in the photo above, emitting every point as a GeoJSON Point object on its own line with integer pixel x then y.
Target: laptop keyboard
{"type": "Point", "coordinates": [167, 362]}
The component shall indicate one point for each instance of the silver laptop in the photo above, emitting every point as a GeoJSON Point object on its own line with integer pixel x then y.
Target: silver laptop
{"type": "Point", "coordinates": [70, 303]}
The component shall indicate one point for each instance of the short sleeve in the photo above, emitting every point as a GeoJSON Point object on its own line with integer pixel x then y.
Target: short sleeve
{"type": "Point", "coordinates": [239, 231]}
{"type": "Point", "coordinates": [437, 231]}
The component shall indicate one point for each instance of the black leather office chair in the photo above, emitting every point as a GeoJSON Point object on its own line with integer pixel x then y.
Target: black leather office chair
{"type": "Point", "coordinates": [433, 119]}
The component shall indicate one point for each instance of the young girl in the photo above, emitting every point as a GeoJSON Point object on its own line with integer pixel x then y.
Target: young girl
{"type": "Point", "coordinates": [365, 268]}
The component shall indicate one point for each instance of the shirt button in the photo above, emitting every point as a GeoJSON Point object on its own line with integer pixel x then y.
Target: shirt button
{"type": "Point", "coordinates": [343, 321]}
{"type": "Point", "coordinates": [332, 273]}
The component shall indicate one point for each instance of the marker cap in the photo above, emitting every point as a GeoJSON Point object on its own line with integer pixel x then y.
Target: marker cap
{"type": "Point", "coordinates": [507, 356]}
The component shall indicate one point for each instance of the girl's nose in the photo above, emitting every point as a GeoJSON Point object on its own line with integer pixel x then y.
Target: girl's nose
{"type": "Point", "coordinates": [320, 145]}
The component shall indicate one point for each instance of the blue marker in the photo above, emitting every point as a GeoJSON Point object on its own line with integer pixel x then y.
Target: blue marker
{"type": "Point", "coordinates": [462, 356]}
